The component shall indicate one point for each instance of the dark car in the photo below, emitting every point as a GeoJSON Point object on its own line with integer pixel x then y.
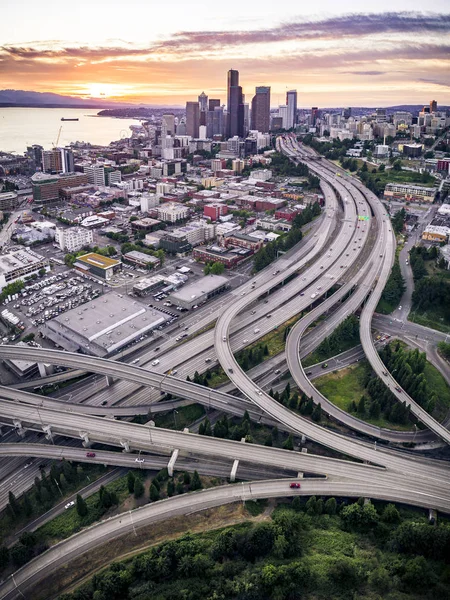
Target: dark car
{"type": "Point", "coordinates": [295, 485]}
{"type": "Point", "coordinates": [90, 454]}
{"type": "Point", "coordinates": [156, 349]}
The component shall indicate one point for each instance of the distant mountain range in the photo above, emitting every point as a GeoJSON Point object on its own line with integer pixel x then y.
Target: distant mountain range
{"type": "Point", "coordinates": [10, 98]}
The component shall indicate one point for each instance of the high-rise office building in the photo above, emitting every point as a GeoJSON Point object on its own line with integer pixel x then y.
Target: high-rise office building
{"type": "Point", "coordinates": [35, 153]}
{"type": "Point", "coordinates": [291, 103]}
{"type": "Point", "coordinates": [433, 106]}
{"type": "Point", "coordinates": [283, 114]}
{"type": "Point", "coordinates": [347, 112]}
{"type": "Point", "coordinates": [203, 106]}
{"type": "Point", "coordinates": [168, 125]}
{"type": "Point", "coordinates": [235, 106]}
{"type": "Point", "coordinates": [95, 174]}
{"type": "Point", "coordinates": [213, 103]}
{"type": "Point", "coordinates": [52, 161]}
{"type": "Point", "coordinates": [67, 161]}
{"type": "Point", "coordinates": [215, 122]}
{"type": "Point", "coordinates": [192, 119]}
{"type": "Point", "coordinates": [314, 115]}
{"type": "Point", "coordinates": [260, 119]}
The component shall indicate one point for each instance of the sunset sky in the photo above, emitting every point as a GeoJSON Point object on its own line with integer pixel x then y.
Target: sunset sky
{"type": "Point", "coordinates": [168, 52]}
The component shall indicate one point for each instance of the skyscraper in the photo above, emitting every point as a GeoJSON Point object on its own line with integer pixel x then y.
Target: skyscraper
{"type": "Point", "coordinates": [168, 125]}
{"type": "Point", "coordinates": [192, 119]}
{"type": "Point", "coordinates": [203, 104]}
{"type": "Point", "coordinates": [314, 115]}
{"type": "Point", "coordinates": [213, 103]}
{"type": "Point", "coordinates": [433, 106]}
{"type": "Point", "coordinates": [235, 106]}
{"type": "Point", "coordinates": [261, 109]}
{"type": "Point", "coordinates": [291, 103]}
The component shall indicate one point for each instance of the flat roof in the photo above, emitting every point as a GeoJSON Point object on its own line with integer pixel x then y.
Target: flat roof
{"type": "Point", "coordinates": [107, 323]}
{"type": "Point", "coordinates": [18, 260]}
{"type": "Point", "coordinates": [197, 289]}
{"type": "Point", "coordinates": [97, 260]}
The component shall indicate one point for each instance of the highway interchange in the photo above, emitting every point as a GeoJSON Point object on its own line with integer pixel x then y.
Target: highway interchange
{"type": "Point", "coordinates": [332, 253]}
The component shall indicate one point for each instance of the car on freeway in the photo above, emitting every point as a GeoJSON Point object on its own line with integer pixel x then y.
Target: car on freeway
{"type": "Point", "coordinates": [325, 365]}
{"type": "Point", "coordinates": [156, 349]}
{"type": "Point", "coordinates": [230, 370]}
{"type": "Point", "coordinates": [398, 389]}
{"type": "Point", "coordinates": [207, 360]}
{"type": "Point", "coordinates": [295, 486]}
{"type": "Point", "coordinates": [104, 402]}
{"type": "Point", "coordinates": [69, 504]}
{"type": "Point", "coordinates": [139, 460]}
{"type": "Point", "coordinates": [155, 362]}
{"type": "Point", "coordinates": [90, 454]}
{"type": "Point", "coordinates": [224, 339]}
{"type": "Point", "coordinates": [174, 372]}
{"type": "Point", "coordinates": [277, 371]}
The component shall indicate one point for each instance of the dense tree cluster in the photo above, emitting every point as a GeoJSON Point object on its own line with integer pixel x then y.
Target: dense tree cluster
{"type": "Point", "coordinates": [444, 349]}
{"type": "Point", "coordinates": [343, 337]}
{"type": "Point", "coordinates": [269, 253]}
{"type": "Point", "coordinates": [279, 559]}
{"type": "Point", "coordinates": [418, 255]}
{"type": "Point", "coordinates": [398, 220]}
{"type": "Point", "coordinates": [432, 293]}
{"type": "Point", "coordinates": [394, 287]}
{"type": "Point", "coordinates": [283, 166]}
{"type": "Point", "coordinates": [215, 268]}
{"type": "Point", "coordinates": [407, 366]}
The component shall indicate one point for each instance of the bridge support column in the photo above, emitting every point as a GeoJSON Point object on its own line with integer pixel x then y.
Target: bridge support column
{"type": "Point", "coordinates": [109, 380]}
{"type": "Point", "coordinates": [172, 461]}
{"type": "Point", "coordinates": [304, 450]}
{"type": "Point", "coordinates": [126, 445]}
{"type": "Point", "coordinates": [85, 437]}
{"type": "Point", "coordinates": [300, 475]}
{"type": "Point", "coordinates": [47, 429]}
{"type": "Point", "coordinates": [234, 470]}
{"type": "Point", "coordinates": [18, 427]}
{"type": "Point", "coordinates": [186, 430]}
{"type": "Point", "coordinates": [303, 439]}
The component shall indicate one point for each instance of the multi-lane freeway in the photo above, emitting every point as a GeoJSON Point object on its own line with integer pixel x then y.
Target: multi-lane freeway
{"type": "Point", "coordinates": [360, 256]}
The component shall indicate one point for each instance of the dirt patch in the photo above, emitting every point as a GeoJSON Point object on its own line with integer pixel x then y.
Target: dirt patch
{"type": "Point", "coordinates": [78, 571]}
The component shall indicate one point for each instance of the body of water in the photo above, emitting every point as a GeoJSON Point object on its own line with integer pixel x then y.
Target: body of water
{"type": "Point", "coordinates": [22, 127]}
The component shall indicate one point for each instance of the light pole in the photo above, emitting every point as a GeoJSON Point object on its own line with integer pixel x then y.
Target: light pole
{"type": "Point", "coordinates": [175, 412]}
{"type": "Point", "coordinates": [415, 432]}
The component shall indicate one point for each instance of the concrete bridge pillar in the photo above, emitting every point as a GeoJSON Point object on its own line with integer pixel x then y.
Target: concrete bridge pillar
{"type": "Point", "coordinates": [18, 427]}
{"type": "Point", "coordinates": [172, 462]}
{"type": "Point", "coordinates": [234, 470]}
{"type": "Point", "coordinates": [47, 429]}
{"type": "Point", "coordinates": [126, 445]}
{"type": "Point", "coordinates": [85, 437]}
{"type": "Point", "coordinates": [109, 380]}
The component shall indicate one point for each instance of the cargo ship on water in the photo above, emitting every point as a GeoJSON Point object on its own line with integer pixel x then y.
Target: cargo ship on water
{"type": "Point", "coordinates": [63, 119]}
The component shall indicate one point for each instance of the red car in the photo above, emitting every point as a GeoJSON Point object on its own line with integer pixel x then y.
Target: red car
{"type": "Point", "coordinates": [90, 454]}
{"type": "Point", "coordinates": [295, 485]}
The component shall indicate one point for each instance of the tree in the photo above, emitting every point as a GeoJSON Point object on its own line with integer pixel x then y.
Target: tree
{"type": "Point", "coordinates": [138, 487]}
{"type": "Point", "coordinates": [390, 514]}
{"type": "Point", "coordinates": [27, 506]}
{"type": "Point", "coordinates": [4, 557]}
{"type": "Point", "coordinates": [330, 506]}
{"type": "Point", "coordinates": [170, 488]}
{"type": "Point", "coordinates": [13, 505]}
{"type": "Point", "coordinates": [196, 483]}
{"type": "Point", "coordinates": [20, 554]}
{"type": "Point", "coordinates": [130, 481]}
{"type": "Point", "coordinates": [289, 443]}
{"type": "Point", "coordinates": [154, 493]}
{"type": "Point", "coordinates": [82, 508]}
{"type": "Point", "coordinates": [186, 478]}
{"type": "Point", "coordinates": [317, 413]}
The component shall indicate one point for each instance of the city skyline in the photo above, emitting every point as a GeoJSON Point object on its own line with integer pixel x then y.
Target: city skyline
{"type": "Point", "coordinates": [339, 57]}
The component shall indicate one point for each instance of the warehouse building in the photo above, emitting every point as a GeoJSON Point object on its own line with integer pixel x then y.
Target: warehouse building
{"type": "Point", "coordinates": [98, 265]}
{"type": "Point", "coordinates": [104, 325]}
{"type": "Point", "coordinates": [199, 292]}
{"type": "Point", "coordinates": [141, 259]}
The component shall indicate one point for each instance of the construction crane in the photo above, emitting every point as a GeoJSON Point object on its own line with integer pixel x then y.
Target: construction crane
{"type": "Point", "coordinates": [57, 139]}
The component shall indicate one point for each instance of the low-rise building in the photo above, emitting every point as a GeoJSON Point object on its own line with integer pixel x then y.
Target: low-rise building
{"type": "Point", "coordinates": [141, 259]}
{"type": "Point", "coordinates": [147, 224]}
{"type": "Point", "coordinates": [243, 241]}
{"type": "Point", "coordinates": [20, 265]}
{"type": "Point", "coordinates": [98, 265]}
{"type": "Point", "coordinates": [229, 257]}
{"type": "Point", "coordinates": [8, 201]}
{"type": "Point", "coordinates": [199, 292]}
{"type": "Point", "coordinates": [73, 239]}
{"type": "Point", "coordinates": [409, 192]}
{"type": "Point", "coordinates": [214, 210]}
{"type": "Point", "coordinates": [272, 224]}
{"type": "Point", "coordinates": [173, 212]}
{"type": "Point", "coordinates": [436, 233]}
